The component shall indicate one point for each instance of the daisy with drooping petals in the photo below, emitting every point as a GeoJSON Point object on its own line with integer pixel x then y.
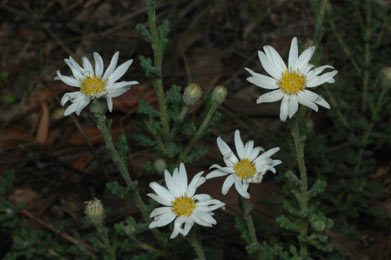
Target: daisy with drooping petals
{"type": "Point", "coordinates": [249, 168]}
{"type": "Point", "coordinates": [181, 203]}
{"type": "Point", "coordinates": [291, 83]}
{"type": "Point", "coordinates": [93, 83]}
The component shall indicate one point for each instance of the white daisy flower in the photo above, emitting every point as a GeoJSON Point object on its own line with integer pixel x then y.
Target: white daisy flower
{"type": "Point", "coordinates": [249, 168]}
{"type": "Point", "coordinates": [94, 83]}
{"type": "Point", "coordinates": [291, 83]}
{"type": "Point", "coordinates": [181, 204]}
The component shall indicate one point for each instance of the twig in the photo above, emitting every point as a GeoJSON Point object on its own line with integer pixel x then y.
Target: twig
{"type": "Point", "coordinates": [59, 232]}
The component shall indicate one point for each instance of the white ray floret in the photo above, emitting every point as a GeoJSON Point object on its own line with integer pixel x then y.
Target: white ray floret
{"type": "Point", "coordinates": [248, 167]}
{"type": "Point", "coordinates": [181, 203]}
{"type": "Point", "coordinates": [93, 83]}
{"type": "Point", "coordinates": [292, 83]}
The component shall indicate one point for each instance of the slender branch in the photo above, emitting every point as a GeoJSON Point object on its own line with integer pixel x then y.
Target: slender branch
{"type": "Point", "coordinates": [158, 59]}
{"type": "Point", "coordinates": [246, 204]}
{"type": "Point", "coordinates": [299, 148]}
{"type": "Point", "coordinates": [195, 241]}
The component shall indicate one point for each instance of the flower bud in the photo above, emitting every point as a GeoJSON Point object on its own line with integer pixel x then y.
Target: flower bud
{"type": "Point", "coordinates": [318, 225]}
{"type": "Point", "coordinates": [219, 94]}
{"type": "Point", "coordinates": [160, 165]}
{"type": "Point", "coordinates": [94, 211]}
{"type": "Point", "coordinates": [192, 94]}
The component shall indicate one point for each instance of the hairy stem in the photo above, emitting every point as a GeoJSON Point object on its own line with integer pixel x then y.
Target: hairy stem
{"type": "Point", "coordinates": [299, 148]}
{"type": "Point", "coordinates": [247, 207]}
{"type": "Point", "coordinates": [196, 243]}
{"type": "Point", "coordinates": [158, 59]}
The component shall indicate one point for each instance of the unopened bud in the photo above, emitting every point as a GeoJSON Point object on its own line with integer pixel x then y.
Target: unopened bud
{"type": "Point", "coordinates": [192, 94]}
{"type": "Point", "coordinates": [386, 77]}
{"type": "Point", "coordinates": [219, 94]}
{"type": "Point", "coordinates": [318, 225]}
{"type": "Point", "coordinates": [160, 165]}
{"type": "Point", "coordinates": [94, 211]}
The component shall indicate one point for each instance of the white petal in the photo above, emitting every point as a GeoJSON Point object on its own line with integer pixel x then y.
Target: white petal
{"type": "Point", "coordinates": [248, 148]}
{"type": "Point", "coordinates": [209, 205]}
{"type": "Point", "coordinates": [269, 67]}
{"type": "Point", "coordinates": [227, 184]}
{"type": "Point", "coordinates": [206, 218]}
{"type": "Point", "coordinates": [293, 105]}
{"type": "Point", "coordinates": [319, 80]}
{"type": "Point", "coordinates": [199, 220]}
{"type": "Point", "coordinates": [255, 152]}
{"type": "Point", "coordinates": [160, 211]}
{"type": "Point", "coordinates": [109, 103]}
{"type": "Point", "coordinates": [70, 109]}
{"type": "Point", "coordinates": [170, 183]}
{"type": "Point", "coordinates": [193, 184]}
{"type": "Point", "coordinates": [120, 71]}
{"type": "Point", "coordinates": [116, 92]}
{"type": "Point", "coordinates": [229, 157]}
{"type": "Point", "coordinates": [111, 67]}
{"type": "Point", "coordinates": [306, 100]}
{"type": "Point", "coordinates": [68, 80]}
{"type": "Point", "coordinates": [216, 173]}
{"type": "Point", "coordinates": [240, 189]}
{"type": "Point", "coordinates": [159, 199]}
{"type": "Point", "coordinates": [304, 58]}
{"type": "Point", "coordinates": [188, 226]}
{"type": "Point", "coordinates": [182, 179]}
{"type": "Point", "coordinates": [263, 82]}
{"type": "Point", "coordinates": [317, 71]}
{"type": "Point", "coordinates": [82, 104]}
{"type": "Point", "coordinates": [177, 227]}
{"type": "Point", "coordinates": [293, 54]}
{"type": "Point", "coordinates": [272, 96]}
{"type": "Point", "coordinates": [321, 102]}
{"type": "Point", "coordinates": [77, 73]}
{"type": "Point", "coordinates": [87, 66]}
{"type": "Point", "coordinates": [268, 153]}
{"type": "Point", "coordinates": [162, 220]}
{"type": "Point", "coordinates": [275, 58]}
{"type": "Point", "coordinates": [99, 65]}
{"type": "Point", "coordinates": [76, 65]}
{"type": "Point", "coordinates": [239, 144]}
{"type": "Point", "coordinates": [202, 197]}
{"type": "Point", "coordinates": [161, 191]}
{"type": "Point", "coordinates": [284, 108]}
{"type": "Point", "coordinates": [123, 84]}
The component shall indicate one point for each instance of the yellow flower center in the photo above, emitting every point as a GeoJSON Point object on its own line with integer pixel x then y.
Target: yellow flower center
{"type": "Point", "coordinates": [92, 86]}
{"type": "Point", "coordinates": [244, 168]}
{"type": "Point", "coordinates": [292, 83]}
{"type": "Point", "coordinates": [183, 206]}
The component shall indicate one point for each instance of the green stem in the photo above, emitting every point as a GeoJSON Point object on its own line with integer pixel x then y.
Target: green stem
{"type": "Point", "coordinates": [247, 207]}
{"type": "Point", "coordinates": [158, 59]}
{"type": "Point", "coordinates": [196, 243]}
{"type": "Point", "coordinates": [98, 111]}
{"type": "Point", "coordinates": [200, 130]}
{"type": "Point", "coordinates": [100, 119]}
{"type": "Point", "coordinates": [299, 148]}
{"type": "Point", "coordinates": [182, 115]}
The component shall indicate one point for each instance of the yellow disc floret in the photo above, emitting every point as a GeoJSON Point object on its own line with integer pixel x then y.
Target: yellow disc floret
{"type": "Point", "coordinates": [183, 206]}
{"type": "Point", "coordinates": [92, 86]}
{"type": "Point", "coordinates": [244, 168]}
{"type": "Point", "coordinates": [292, 83]}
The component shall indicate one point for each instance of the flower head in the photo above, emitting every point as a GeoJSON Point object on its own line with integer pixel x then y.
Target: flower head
{"type": "Point", "coordinates": [181, 203]}
{"type": "Point", "coordinates": [250, 167]}
{"type": "Point", "coordinates": [291, 83]}
{"type": "Point", "coordinates": [94, 208]}
{"type": "Point", "coordinates": [93, 83]}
